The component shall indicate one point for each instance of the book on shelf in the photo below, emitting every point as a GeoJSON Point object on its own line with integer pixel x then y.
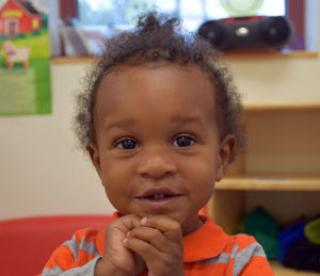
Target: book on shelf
{"type": "Point", "coordinates": [83, 41]}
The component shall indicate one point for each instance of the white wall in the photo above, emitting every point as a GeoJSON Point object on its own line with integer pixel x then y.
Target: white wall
{"type": "Point", "coordinates": [42, 170]}
{"type": "Point", "coordinates": [272, 80]}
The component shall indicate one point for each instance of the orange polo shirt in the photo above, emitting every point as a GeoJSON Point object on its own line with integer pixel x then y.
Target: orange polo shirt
{"type": "Point", "coordinates": [207, 251]}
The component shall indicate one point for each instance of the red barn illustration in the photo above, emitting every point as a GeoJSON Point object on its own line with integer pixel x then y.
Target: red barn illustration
{"type": "Point", "coordinates": [19, 17]}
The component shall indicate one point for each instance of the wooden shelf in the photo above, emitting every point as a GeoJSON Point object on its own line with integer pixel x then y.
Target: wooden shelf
{"type": "Point", "coordinates": [73, 60]}
{"type": "Point", "coordinates": [269, 184]}
{"type": "Point", "coordinates": [279, 270]}
{"type": "Point", "coordinates": [269, 54]}
{"type": "Point", "coordinates": [285, 106]}
{"type": "Point", "coordinates": [228, 55]}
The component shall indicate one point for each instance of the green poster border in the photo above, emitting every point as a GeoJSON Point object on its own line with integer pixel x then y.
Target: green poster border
{"type": "Point", "coordinates": [42, 83]}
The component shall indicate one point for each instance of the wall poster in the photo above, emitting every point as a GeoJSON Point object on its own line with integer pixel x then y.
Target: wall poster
{"type": "Point", "coordinates": [24, 57]}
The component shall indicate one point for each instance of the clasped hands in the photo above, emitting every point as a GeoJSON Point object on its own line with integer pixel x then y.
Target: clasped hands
{"type": "Point", "coordinates": [135, 245]}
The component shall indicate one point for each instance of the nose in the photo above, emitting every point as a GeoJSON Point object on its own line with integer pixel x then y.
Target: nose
{"type": "Point", "coordinates": [156, 164]}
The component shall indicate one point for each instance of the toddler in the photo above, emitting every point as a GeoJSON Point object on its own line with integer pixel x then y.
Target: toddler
{"type": "Point", "coordinates": [160, 121]}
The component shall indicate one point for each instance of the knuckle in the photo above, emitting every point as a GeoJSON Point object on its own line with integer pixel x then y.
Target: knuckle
{"type": "Point", "coordinates": [134, 233]}
{"type": "Point", "coordinates": [144, 248]}
{"type": "Point", "coordinates": [155, 234]}
{"type": "Point", "coordinates": [176, 227]}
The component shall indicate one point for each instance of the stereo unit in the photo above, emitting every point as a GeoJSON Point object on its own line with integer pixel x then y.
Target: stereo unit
{"type": "Point", "coordinates": [246, 33]}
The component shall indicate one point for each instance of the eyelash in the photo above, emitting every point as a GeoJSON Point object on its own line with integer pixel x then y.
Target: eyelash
{"type": "Point", "coordinates": [117, 143]}
{"type": "Point", "coordinates": [191, 139]}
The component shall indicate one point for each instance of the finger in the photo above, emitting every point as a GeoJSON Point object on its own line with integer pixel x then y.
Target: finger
{"type": "Point", "coordinates": [144, 249]}
{"type": "Point", "coordinates": [128, 222]}
{"type": "Point", "coordinates": [131, 221]}
{"type": "Point", "coordinates": [152, 236]}
{"type": "Point", "coordinates": [168, 226]}
{"type": "Point", "coordinates": [155, 260]}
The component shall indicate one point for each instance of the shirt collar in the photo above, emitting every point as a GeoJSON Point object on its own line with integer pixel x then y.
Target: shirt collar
{"type": "Point", "coordinates": [206, 242]}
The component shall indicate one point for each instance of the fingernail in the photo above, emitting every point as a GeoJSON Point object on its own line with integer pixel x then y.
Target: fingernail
{"type": "Point", "coordinates": [144, 220]}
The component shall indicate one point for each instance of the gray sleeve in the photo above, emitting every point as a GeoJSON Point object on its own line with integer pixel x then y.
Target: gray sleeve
{"type": "Point", "coordinates": [85, 270]}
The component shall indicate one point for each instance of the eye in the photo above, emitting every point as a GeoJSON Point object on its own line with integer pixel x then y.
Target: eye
{"type": "Point", "coordinates": [126, 143]}
{"type": "Point", "coordinates": [183, 141]}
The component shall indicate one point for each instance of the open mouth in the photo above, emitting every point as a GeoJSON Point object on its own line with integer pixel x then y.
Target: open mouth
{"type": "Point", "coordinates": [159, 195]}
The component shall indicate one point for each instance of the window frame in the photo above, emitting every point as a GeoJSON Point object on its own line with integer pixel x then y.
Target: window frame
{"type": "Point", "coordinates": [295, 11]}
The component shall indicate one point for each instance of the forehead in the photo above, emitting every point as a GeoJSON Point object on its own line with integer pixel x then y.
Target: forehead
{"type": "Point", "coordinates": [153, 86]}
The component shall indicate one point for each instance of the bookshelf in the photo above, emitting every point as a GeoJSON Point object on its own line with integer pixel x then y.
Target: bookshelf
{"type": "Point", "coordinates": [279, 169]}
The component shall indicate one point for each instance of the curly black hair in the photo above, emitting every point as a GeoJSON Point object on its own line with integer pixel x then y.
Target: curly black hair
{"type": "Point", "coordinates": [161, 38]}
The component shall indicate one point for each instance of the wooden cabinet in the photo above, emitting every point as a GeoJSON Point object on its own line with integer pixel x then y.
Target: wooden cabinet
{"type": "Point", "coordinates": [279, 169]}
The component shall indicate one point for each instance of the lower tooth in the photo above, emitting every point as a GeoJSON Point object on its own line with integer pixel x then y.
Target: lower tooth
{"type": "Point", "coordinates": [159, 196]}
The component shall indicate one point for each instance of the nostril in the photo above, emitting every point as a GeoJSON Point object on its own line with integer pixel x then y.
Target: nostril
{"type": "Point", "coordinates": [156, 169]}
{"type": "Point", "coordinates": [157, 174]}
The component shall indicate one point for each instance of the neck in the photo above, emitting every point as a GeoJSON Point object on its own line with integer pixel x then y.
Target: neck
{"type": "Point", "coordinates": [192, 225]}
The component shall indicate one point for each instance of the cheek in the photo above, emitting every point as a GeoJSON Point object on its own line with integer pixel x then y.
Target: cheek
{"type": "Point", "coordinates": [115, 178]}
{"type": "Point", "coordinates": [203, 166]}
{"type": "Point", "coordinates": [117, 195]}
{"type": "Point", "coordinates": [200, 173]}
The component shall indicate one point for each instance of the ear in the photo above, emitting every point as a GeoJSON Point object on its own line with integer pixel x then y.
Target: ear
{"type": "Point", "coordinates": [227, 147]}
{"type": "Point", "coordinates": [94, 155]}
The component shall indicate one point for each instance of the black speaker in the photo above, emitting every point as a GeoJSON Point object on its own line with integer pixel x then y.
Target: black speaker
{"type": "Point", "coordinates": [246, 33]}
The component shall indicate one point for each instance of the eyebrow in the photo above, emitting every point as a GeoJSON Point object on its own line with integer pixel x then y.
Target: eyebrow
{"type": "Point", "coordinates": [177, 120]}
{"type": "Point", "coordinates": [120, 124]}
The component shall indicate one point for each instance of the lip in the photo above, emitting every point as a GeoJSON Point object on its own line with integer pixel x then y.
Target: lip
{"type": "Point", "coordinates": [165, 191]}
{"type": "Point", "coordinates": [159, 204]}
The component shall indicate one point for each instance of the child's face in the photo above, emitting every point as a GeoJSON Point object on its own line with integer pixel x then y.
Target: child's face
{"type": "Point", "coordinates": [157, 143]}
